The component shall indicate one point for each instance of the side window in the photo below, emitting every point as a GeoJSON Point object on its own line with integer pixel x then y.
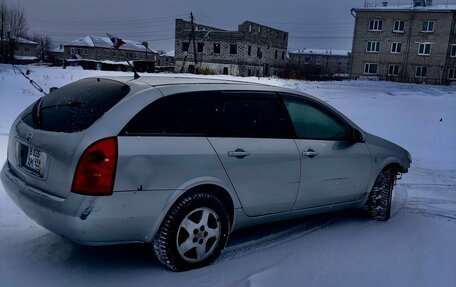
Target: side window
{"type": "Point", "coordinates": [187, 114]}
{"type": "Point", "coordinates": [253, 115]}
{"type": "Point", "coordinates": [312, 121]}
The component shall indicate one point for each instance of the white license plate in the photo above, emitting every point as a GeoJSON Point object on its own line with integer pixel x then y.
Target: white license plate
{"type": "Point", "coordinates": [34, 160]}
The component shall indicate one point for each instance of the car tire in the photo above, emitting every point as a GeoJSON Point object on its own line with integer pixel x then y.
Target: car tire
{"type": "Point", "coordinates": [379, 201]}
{"type": "Point", "coordinates": [193, 233]}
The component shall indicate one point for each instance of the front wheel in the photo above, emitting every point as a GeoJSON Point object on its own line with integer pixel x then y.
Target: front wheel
{"type": "Point", "coordinates": [193, 233]}
{"type": "Point", "coordinates": [379, 201]}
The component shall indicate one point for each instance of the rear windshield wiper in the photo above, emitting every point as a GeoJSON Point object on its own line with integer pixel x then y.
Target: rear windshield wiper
{"type": "Point", "coordinates": [36, 112]}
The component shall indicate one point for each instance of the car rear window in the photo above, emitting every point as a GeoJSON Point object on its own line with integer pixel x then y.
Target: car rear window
{"type": "Point", "coordinates": [76, 106]}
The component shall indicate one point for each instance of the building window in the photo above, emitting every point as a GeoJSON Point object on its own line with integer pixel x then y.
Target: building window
{"type": "Point", "coordinates": [370, 68]}
{"type": "Point", "coordinates": [399, 26]}
{"type": "Point", "coordinates": [318, 60]}
{"type": "Point", "coordinates": [84, 51]}
{"type": "Point", "coordinates": [452, 74]}
{"type": "Point", "coordinates": [375, 25]}
{"type": "Point", "coordinates": [72, 51]}
{"type": "Point", "coordinates": [216, 48]}
{"type": "Point", "coordinates": [200, 47]}
{"type": "Point", "coordinates": [283, 55]}
{"type": "Point", "coordinates": [373, 47]}
{"type": "Point", "coordinates": [424, 49]}
{"type": "Point", "coordinates": [428, 26]}
{"type": "Point", "coordinates": [306, 60]}
{"type": "Point", "coordinates": [185, 46]}
{"type": "Point", "coordinates": [421, 72]}
{"type": "Point", "coordinates": [250, 28]}
{"type": "Point", "coordinates": [453, 50]}
{"type": "Point", "coordinates": [233, 49]}
{"type": "Point", "coordinates": [276, 54]}
{"type": "Point", "coordinates": [249, 50]}
{"type": "Point", "coordinates": [396, 47]}
{"type": "Point", "coordinates": [393, 70]}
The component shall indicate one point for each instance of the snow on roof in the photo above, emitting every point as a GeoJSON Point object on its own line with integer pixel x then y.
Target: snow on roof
{"type": "Point", "coordinates": [168, 54]}
{"type": "Point", "coordinates": [392, 7]}
{"type": "Point", "coordinates": [26, 58]}
{"type": "Point", "coordinates": [322, 52]}
{"type": "Point", "coordinates": [25, 41]}
{"type": "Point", "coordinates": [58, 49]}
{"type": "Point", "coordinates": [105, 42]}
{"type": "Point", "coordinates": [21, 40]}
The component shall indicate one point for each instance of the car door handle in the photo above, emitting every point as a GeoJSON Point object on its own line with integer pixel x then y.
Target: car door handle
{"type": "Point", "coordinates": [239, 153]}
{"type": "Point", "coordinates": [310, 153]}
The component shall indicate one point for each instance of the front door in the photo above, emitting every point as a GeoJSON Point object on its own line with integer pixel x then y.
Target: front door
{"type": "Point", "coordinates": [334, 168]}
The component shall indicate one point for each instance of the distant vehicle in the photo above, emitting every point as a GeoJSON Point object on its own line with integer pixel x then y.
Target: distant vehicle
{"type": "Point", "coordinates": [179, 163]}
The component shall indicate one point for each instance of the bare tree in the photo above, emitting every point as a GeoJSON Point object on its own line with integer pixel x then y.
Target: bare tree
{"type": "Point", "coordinates": [13, 24]}
{"type": "Point", "coordinates": [44, 45]}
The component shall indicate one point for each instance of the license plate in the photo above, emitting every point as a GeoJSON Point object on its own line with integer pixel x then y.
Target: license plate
{"type": "Point", "coordinates": [33, 159]}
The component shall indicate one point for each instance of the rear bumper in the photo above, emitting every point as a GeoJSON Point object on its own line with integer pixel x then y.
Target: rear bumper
{"type": "Point", "coordinates": [131, 216]}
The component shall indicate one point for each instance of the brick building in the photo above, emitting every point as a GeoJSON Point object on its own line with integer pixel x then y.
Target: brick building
{"type": "Point", "coordinates": [317, 63]}
{"type": "Point", "coordinates": [406, 43]}
{"type": "Point", "coordinates": [252, 50]}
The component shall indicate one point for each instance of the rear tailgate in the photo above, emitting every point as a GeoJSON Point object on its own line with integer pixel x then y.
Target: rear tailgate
{"type": "Point", "coordinates": [45, 138]}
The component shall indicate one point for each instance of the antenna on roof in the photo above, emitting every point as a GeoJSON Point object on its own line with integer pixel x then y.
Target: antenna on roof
{"type": "Point", "coordinates": [116, 44]}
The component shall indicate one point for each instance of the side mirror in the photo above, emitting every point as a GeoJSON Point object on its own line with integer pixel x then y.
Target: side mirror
{"type": "Point", "coordinates": [357, 136]}
{"type": "Point", "coordinates": [52, 89]}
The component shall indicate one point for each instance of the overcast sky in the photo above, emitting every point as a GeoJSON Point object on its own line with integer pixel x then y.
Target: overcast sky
{"type": "Point", "coordinates": [324, 24]}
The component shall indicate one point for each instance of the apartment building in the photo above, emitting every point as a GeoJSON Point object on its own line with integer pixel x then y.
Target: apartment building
{"type": "Point", "coordinates": [415, 43]}
{"type": "Point", "coordinates": [252, 50]}
{"type": "Point", "coordinates": [316, 63]}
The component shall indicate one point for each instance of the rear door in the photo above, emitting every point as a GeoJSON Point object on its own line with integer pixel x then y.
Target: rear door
{"type": "Point", "coordinates": [254, 144]}
{"type": "Point", "coordinates": [334, 168]}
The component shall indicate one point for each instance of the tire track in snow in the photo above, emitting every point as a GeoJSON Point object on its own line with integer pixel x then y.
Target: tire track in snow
{"type": "Point", "coordinates": [275, 239]}
{"type": "Point", "coordinates": [429, 207]}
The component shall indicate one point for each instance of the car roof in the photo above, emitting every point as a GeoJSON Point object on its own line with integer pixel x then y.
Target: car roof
{"type": "Point", "coordinates": [160, 80]}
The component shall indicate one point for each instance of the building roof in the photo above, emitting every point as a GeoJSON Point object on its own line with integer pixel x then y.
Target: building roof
{"type": "Point", "coordinates": [168, 54]}
{"type": "Point", "coordinates": [408, 8]}
{"type": "Point", "coordinates": [105, 42]}
{"type": "Point", "coordinates": [321, 52]}
{"type": "Point", "coordinates": [21, 40]}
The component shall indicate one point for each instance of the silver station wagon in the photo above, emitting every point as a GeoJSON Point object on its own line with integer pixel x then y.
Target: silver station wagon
{"type": "Point", "coordinates": [179, 163]}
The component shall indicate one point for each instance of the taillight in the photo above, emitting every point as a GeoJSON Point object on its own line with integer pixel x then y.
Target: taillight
{"type": "Point", "coordinates": [96, 169]}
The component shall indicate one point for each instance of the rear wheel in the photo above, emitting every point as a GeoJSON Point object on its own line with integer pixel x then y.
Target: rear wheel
{"type": "Point", "coordinates": [193, 233]}
{"type": "Point", "coordinates": [379, 202]}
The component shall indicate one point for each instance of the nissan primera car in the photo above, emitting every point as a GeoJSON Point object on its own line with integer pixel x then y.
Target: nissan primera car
{"type": "Point", "coordinates": [180, 163]}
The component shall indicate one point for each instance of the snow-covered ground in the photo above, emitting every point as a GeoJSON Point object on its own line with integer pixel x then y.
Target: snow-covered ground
{"type": "Point", "coordinates": [416, 247]}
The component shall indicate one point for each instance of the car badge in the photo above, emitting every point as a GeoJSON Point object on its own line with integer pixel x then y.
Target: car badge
{"type": "Point", "coordinates": [29, 137]}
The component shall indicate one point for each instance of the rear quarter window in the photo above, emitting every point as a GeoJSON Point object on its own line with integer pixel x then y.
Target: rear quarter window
{"type": "Point", "coordinates": [76, 106]}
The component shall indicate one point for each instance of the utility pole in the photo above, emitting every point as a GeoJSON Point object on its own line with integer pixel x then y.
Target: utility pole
{"type": "Point", "coordinates": [193, 38]}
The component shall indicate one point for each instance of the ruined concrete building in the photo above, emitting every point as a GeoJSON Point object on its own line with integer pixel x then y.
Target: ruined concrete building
{"type": "Point", "coordinates": [253, 50]}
